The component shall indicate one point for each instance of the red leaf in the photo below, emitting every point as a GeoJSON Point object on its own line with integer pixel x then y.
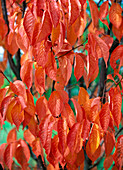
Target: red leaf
{"type": "Point", "coordinates": [74, 11]}
{"type": "Point", "coordinates": [79, 111]}
{"type": "Point", "coordinates": [43, 129]}
{"type": "Point", "coordinates": [42, 107]}
{"type": "Point", "coordinates": [108, 162]}
{"type": "Point", "coordinates": [62, 134]}
{"type": "Point", "coordinates": [115, 15]}
{"type": "Point", "coordinates": [2, 149]}
{"type": "Point", "coordinates": [118, 155]}
{"type": "Point", "coordinates": [37, 148]}
{"type": "Point", "coordinates": [28, 136]}
{"type": "Point", "coordinates": [22, 153]}
{"type": "Point", "coordinates": [4, 28]}
{"type": "Point", "coordinates": [47, 145]}
{"type": "Point", "coordinates": [86, 129]}
{"type": "Point", "coordinates": [117, 102]}
{"type": "Point", "coordinates": [29, 24]}
{"type": "Point", "coordinates": [54, 12]}
{"type": "Point", "coordinates": [116, 54]}
{"type": "Point", "coordinates": [109, 142]}
{"type": "Point", "coordinates": [2, 94]}
{"type": "Point", "coordinates": [78, 67]}
{"type": "Point", "coordinates": [83, 96]}
{"type": "Point", "coordinates": [105, 116]}
{"type": "Point", "coordinates": [74, 139]}
{"type": "Point", "coordinates": [17, 115]}
{"type": "Point", "coordinates": [12, 136]}
{"type": "Point", "coordinates": [94, 139]}
{"type": "Point", "coordinates": [8, 156]}
{"type": "Point", "coordinates": [46, 27]}
{"type": "Point", "coordinates": [94, 13]}
{"type": "Point", "coordinates": [30, 107]}
{"type": "Point", "coordinates": [40, 80]}
{"type": "Point", "coordinates": [55, 103]}
{"type": "Point", "coordinates": [67, 112]}
{"type": "Point", "coordinates": [26, 73]}
{"type": "Point", "coordinates": [51, 67]}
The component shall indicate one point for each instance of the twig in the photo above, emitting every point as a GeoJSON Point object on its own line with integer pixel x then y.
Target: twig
{"type": "Point", "coordinates": [4, 75]}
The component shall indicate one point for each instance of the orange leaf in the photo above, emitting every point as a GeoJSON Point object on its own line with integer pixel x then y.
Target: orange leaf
{"type": "Point", "coordinates": [26, 73]}
{"type": "Point", "coordinates": [67, 112]}
{"type": "Point", "coordinates": [83, 96]}
{"type": "Point", "coordinates": [94, 13]}
{"type": "Point", "coordinates": [51, 67]}
{"type": "Point", "coordinates": [55, 103]}
{"type": "Point", "coordinates": [46, 27]}
{"type": "Point", "coordinates": [30, 107]}
{"type": "Point", "coordinates": [43, 129]}
{"type": "Point", "coordinates": [118, 155]}
{"type": "Point", "coordinates": [74, 139]}
{"type": "Point", "coordinates": [17, 115]}
{"type": "Point", "coordinates": [74, 11]}
{"type": "Point", "coordinates": [2, 149]}
{"type": "Point", "coordinates": [37, 148]}
{"type": "Point", "coordinates": [42, 107]}
{"type": "Point", "coordinates": [29, 24]}
{"type": "Point", "coordinates": [3, 28]}
{"type": "Point", "coordinates": [117, 102]}
{"type": "Point", "coordinates": [108, 162]}
{"type": "Point", "coordinates": [105, 116]}
{"type": "Point", "coordinates": [28, 136]}
{"type": "Point", "coordinates": [115, 15]}
{"type": "Point", "coordinates": [94, 139]}
{"type": "Point", "coordinates": [12, 136]}
{"type": "Point", "coordinates": [8, 156]}
{"type": "Point", "coordinates": [40, 80]}
{"type": "Point", "coordinates": [62, 134]}
{"type": "Point", "coordinates": [79, 111]}
{"type": "Point", "coordinates": [22, 153]}
{"type": "Point", "coordinates": [54, 12]}
{"type": "Point", "coordinates": [109, 142]}
{"type": "Point", "coordinates": [116, 54]}
{"type": "Point", "coordinates": [47, 145]}
{"type": "Point", "coordinates": [78, 67]}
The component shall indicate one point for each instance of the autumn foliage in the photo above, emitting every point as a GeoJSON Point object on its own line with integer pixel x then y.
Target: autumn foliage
{"type": "Point", "coordinates": [58, 40]}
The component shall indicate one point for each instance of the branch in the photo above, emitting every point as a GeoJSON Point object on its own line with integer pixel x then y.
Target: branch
{"type": "Point", "coordinates": [4, 76]}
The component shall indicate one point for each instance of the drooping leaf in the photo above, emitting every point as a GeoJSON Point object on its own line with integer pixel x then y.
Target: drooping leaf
{"type": "Point", "coordinates": [67, 112]}
{"type": "Point", "coordinates": [22, 153]}
{"type": "Point", "coordinates": [37, 148]}
{"type": "Point", "coordinates": [55, 103]}
{"type": "Point", "coordinates": [28, 23]}
{"type": "Point", "coordinates": [54, 12]}
{"type": "Point", "coordinates": [108, 162]}
{"type": "Point", "coordinates": [109, 142]}
{"type": "Point", "coordinates": [17, 115]}
{"type": "Point", "coordinates": [26, 73]}
{"type": "Point", "coordinates": [42, 107]}
{"type": "Point", "coordinates": [40, 80]}
{"type": "Point", "coordinates": [74, 139]}
{"type": "Point", "coordinates": [116, 54]}
{"type": "Point", "coordinates": [118, 155]}
{"type": "Point", "coordinates": [62, 134]}
{"type": "Point", "coordinates": [117, 101]}
{"type": "Point", "coordinates": [28, 136]}
{"type": "Point", "coordinates": [43, 129]}
{"type": "Point", "coordinates": [8, 156]}
{"type": "Point", "coordinates": [78, 67]}
{"type": "Point", "coordinates": [46, 26]}
{"type": "Point", "coordinates": [51, 67]}
{"type": "Point", "coordinates": [94, 13]}
{"type": "Point", "coordinates": [12, 136]}
{"type": "Point", "coordinates": [4, 28]}
{"type": "Point", "coordinates": [30, 107]}
{"type": "Point", "coordinates": [2, 149]}
{"type": "Point", "coordinates": [47, 145]}
{"type": "Point", "coordinates": [74, 10]}
{"type": "Point", "coordinates": [115, 15]}
{"type": "Point", "coordinates": [105, 116]}
{"type": "Point", "coordinates": [83, 96]}
{"type": "Point", "coordinates": [79, 111]}
{"type": "Point", "coordinates": [94, 139]}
